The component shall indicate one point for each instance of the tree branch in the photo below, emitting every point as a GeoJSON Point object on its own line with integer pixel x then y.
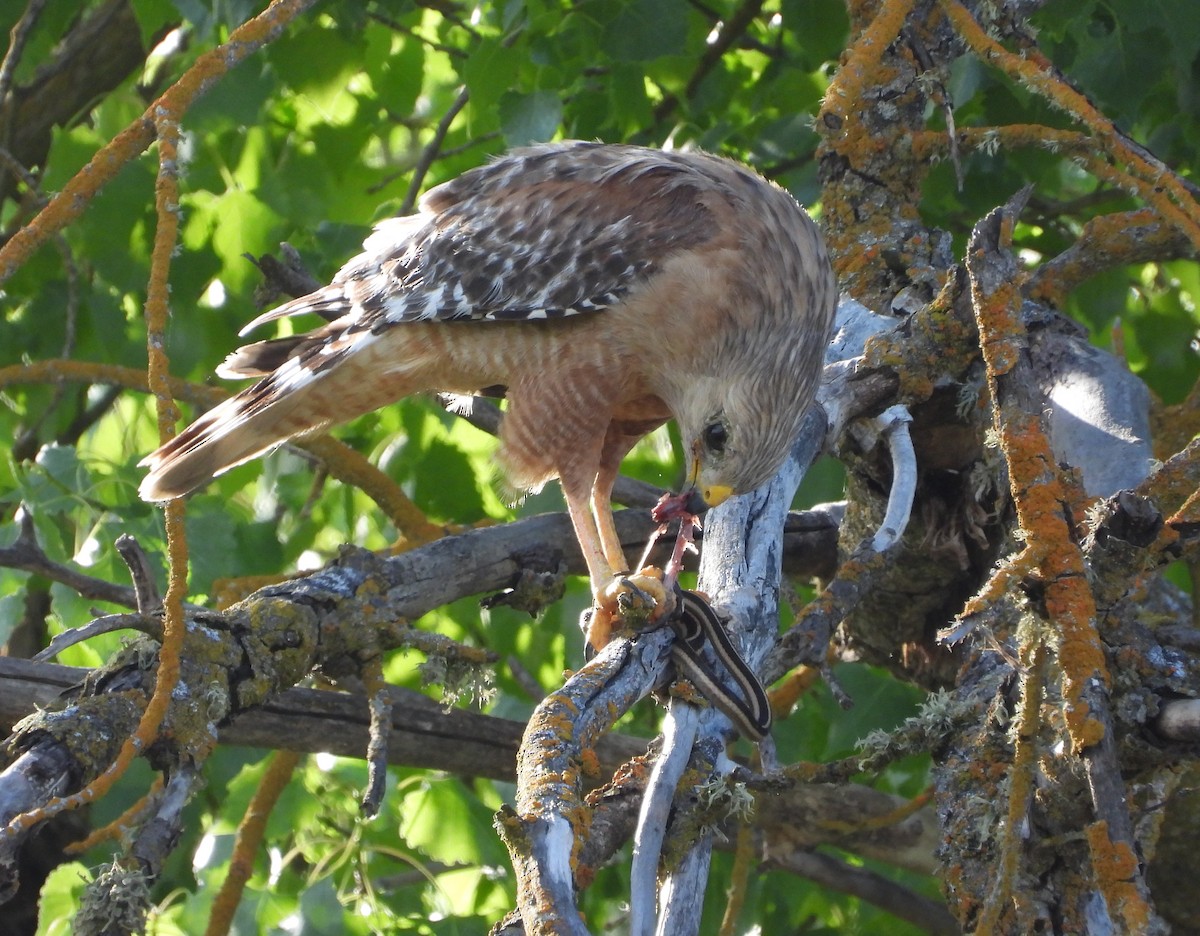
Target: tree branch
{"type": "Point", "coordinates": [422, 733]}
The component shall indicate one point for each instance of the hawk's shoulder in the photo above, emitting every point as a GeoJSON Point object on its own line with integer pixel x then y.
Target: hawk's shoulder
{"type": "Point", "coordinates": [545, 232]}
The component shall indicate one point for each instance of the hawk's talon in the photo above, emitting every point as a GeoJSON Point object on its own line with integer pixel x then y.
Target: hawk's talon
{"type": "Point", "coordinates": [630, 591]}
{"type": "Point", "coordinates": [641, 595]}
{"type": "Point", "coordinates": [634, 601]}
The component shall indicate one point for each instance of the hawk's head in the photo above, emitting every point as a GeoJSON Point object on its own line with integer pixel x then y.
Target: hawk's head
{"type": "Point", "coordinates": [737, 428]}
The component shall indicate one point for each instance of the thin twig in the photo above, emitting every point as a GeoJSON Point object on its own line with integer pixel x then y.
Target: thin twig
{"type": "Point", "coordinates": [27, 555]}
{"type": "Point", "coordinates": [17, 38]}
{"type": "Point", "coordinates": [380, 704]}
{"type": "Point", "coordinates": [105, 624]}
{"type": "Point", "coordinates": [893, 423]}
{"type": "Point", "coordinates": [429, 154]}
{"type": "Point", "coordinates": [149, 598]}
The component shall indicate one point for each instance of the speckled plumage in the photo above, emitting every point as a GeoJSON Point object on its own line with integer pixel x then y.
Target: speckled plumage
{"type": "Point", "coordinates": [609, 288]}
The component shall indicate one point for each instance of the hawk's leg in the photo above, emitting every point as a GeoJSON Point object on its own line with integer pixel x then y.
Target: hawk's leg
{"type": "Point", "coordinates": [642, 592]}
{"type": "Point", "coordinates": [614, 592]}
{"type": "Point", "coordinates": [600, 568]}
{"type": "Point", "coordinates": [606, 528]}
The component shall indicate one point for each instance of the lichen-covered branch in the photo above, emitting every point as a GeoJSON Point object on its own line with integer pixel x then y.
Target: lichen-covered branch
{"type": "Point", "coordinates": [337, 619]}
{"type": "Point", "coordinates": [545, 829]}
{"type": "Point", "coordinates": [1052, 565]}
{"type": "Point", "coordinates": [1148, 177]}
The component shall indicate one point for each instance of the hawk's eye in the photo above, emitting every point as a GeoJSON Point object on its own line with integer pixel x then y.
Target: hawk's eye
{"type": "Point", "coordinates": [714, 436]}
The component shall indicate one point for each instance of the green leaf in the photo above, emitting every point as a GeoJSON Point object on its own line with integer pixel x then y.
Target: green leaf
{"type": "Point", "coordinates": [1120, 49]}
{"type": "Point", "coordinates": [881, 703]}
{"type": "Point", "coordinates": [58, 902]}
{"type": "Point", "coordinates": [237, 103]}
{"type": "Point", "coordinates": [490, 71]}
{"type": "Point", "coordinates": [318, 63]}
{"type": "Point", "coordinates": [628, 103]}
{"type": "Point", "coordinates": [153, 17]}
{"type": "Point", "coordinates": [321, 912]}
{"type": "Point", "coordinates": [446, 485]}
{"type": "Point", "coordinates": [12, 608]}
{"type": "Point", "coordinates": [648, 29]}
{"type": "Point", "coordinates": [821, 28]}
{"type": "Point", "coordinates": [399, 85]}
{"type": "Point", "coordinates": [529, 118]}
{"type": "Point", "coordinates": [215, 554]}
{"type": "Point", "coordinates": [243, 224]}
{"type": "Point", "coordinates": [443, 819]}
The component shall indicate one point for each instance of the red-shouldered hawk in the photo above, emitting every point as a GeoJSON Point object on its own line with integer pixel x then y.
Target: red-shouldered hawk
{"type": "Point", "coordinates": [609, 288]}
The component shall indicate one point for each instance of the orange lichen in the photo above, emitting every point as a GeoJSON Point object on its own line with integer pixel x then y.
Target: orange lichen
{"type": "Point", "coordinates": [1115, 236]}
{"type": "Point", "coordinates": [1051, 555]}
{"type": "Point", "coordinates": [52, 370]}
{"type": "Point", "coordinates": [166, 197]}
{"type": "Point", "coordinates": [173, 620]}
{"type": "Point", "coordinates": [1153, 182]}
{"type": "Point", "coordinates": [248, 840]}
{"type": "Point", "coordinates": [927, 144]}
{"type": "Point", "coordinates": [859, 64]}
{"type": "Point", "coordinates": [119, 825]}
{"type": "Point", "coordinates": [1020, 790]}
{"type": "Point", "coordinates": [350, 467]}
{"type": "Point", "coordinates": [802, 771]}
{"type": "Point", "coordinates": [1174, 485]}
{"type": "Point", "coordinates": [226, 592]}
{"type": "Point", "coordinates": [590, 762]}
{"type": "Point", "coordinates": [739, 880]}
{"type": "Point", "coordinates": [934, 342]}
{"type": "Point", "coordinates": [995, 587]}
{"type": "Point", "coordinates": [894, 816]}
{"type": "Point", "coordinates": [1115, 865]}
{"type": "Point", "coordinates": [859, 227]}
{"type": "Point", "coordinates": [1187, 514]}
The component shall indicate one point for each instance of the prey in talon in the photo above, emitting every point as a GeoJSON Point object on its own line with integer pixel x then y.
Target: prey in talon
{"type": "Point", "coordinates": [637, 600]}
{"type": "Point", "coordinates": [737, 693]}
{"type": "Point", "coordinates": [685, 507]}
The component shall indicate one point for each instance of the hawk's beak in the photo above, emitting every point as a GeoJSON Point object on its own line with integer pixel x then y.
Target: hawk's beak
{"type": "Point", "coordinates": [701, 497]}
{"type": "Point", "coordinates": [716, 494]}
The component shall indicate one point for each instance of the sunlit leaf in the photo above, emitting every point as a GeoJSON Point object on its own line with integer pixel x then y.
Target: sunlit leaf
{"type": "Point", "coordinates": [58, 902]}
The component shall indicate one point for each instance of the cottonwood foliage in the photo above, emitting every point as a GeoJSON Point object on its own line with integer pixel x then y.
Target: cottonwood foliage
{"type": "Point", "coordinates": [341, 121]}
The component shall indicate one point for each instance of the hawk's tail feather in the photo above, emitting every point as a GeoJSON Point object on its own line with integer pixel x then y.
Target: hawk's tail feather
{"type": "Point", "coordinates": [329, 302]}
{"type": "Point", "coordinates": [262, 357]}
{"type": "Point", "coordinates": [311, 390]}
{"type": "Point", "coordinates": [231, 433]}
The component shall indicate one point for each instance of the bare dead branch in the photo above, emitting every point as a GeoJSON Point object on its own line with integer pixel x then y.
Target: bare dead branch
{"type": "Point", "coordinates": [421, 733]}
{"type": "Point", "coordinates": [872, 887]}
{"type": "Point", "coordinates": [430, 152]}
{"type": "Point", "coordinates": [149, 599]}
{"type": "Point", "coordinates": [285, 275]}
{"type": "Point", "coordinates": [27, 555]}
